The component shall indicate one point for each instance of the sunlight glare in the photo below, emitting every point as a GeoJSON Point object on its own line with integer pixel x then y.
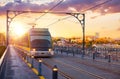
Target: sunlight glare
{"type": "Point", "coordinates": [18, 29]}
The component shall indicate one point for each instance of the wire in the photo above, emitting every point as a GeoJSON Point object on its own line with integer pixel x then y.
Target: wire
{"type": "Point", "coordinates": [97, 5]}
{"type": "Point", "coordinates": [58, 21]}
{"type": "Point", "coordinates": [49, 10]}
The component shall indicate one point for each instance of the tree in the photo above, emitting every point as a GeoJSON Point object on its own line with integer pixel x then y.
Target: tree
{"type": "Point", "coordinates": [2, 39]}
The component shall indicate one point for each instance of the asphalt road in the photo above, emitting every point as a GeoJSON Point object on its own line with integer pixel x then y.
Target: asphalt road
{"type": "Point", "coordinates": [73, 67]}
{"type": "Point", "coordinates": [78, 68]}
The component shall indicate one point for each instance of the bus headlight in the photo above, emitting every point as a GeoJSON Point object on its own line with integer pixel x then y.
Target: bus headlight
{"type": "Point", "coordinates": [50, 50]}
{"type": "Point", "coordinates": [33, 50]}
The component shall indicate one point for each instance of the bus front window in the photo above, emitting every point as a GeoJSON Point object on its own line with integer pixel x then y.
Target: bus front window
{"type": "Point", "coordinates": [40, 42]}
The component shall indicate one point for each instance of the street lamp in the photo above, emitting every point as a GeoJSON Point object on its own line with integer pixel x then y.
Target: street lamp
{"type": "Point", "coordinates": [81, 18]}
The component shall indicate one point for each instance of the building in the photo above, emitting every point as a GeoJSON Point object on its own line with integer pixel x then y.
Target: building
{"type": "Point", "coordinates": [2, 39]}
{"type": "Point", "coordinates": [96, 35]}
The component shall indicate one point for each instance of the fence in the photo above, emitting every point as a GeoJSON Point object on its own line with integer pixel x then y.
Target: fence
{"type": "Point", "coordinates": [102, 53]}
{"type": "Point", "coordinates": [3, 63]}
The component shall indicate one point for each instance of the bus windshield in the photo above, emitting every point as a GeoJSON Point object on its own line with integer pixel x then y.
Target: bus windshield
{"type": "Point", "coordinates": [40, 41]}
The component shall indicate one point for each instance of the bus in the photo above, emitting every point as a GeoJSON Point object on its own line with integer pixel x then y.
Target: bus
{"type": "Point", "coordinates": [40, 42]}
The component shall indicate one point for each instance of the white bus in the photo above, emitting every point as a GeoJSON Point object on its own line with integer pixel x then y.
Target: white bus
{"type": "Point", "coordinates": [40, 42]}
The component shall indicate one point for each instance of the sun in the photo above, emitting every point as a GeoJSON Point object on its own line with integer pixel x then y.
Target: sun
{"type": "Point", "coordinates": [18, 29]}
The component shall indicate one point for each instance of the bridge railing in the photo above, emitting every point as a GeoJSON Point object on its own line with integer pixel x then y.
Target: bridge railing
{"type": "Point", "coordinates": [100, 53]}
{"type": "Point", "coordinates": [2, 63]}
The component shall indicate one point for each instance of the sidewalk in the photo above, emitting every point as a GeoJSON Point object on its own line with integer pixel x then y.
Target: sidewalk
{"type": "Point", "coordinates": [16, 68]}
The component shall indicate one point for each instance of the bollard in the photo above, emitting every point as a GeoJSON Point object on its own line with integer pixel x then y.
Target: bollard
{"type": "Point", "coordinates": [109, 58]}
{"type": "Point", "coordinates": [26, 58]}
{"type": "Point", "coordinates": [82, 56]}
{"type": "Point", "coordinates": [73, 52]}
{"type": "Point", "coordinates": [55, 72]}
{"type": "Point", "coordinates": [93, 55]}
{"type": "Point", "coordinates": [32, 59]}
{"type": "Point", "coordinates": [40, 68]}
{"type": "Point", "coordinates": [61, 51]}
{"type": "Point", "coordinates": [67, 52]}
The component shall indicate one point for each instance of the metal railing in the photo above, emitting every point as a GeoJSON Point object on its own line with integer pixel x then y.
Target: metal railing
{"type": "Point", "coordinates": [3, 63]}
{"type": "Point", "coordinates": [99, 53]}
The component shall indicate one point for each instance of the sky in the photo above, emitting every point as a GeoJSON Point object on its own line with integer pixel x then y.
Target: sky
{"type": "Point", "coordinates": [103, 19]}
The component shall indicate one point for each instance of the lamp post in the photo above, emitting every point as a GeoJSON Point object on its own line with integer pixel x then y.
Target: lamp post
{"type": "Point", "coordinates": [81, 18]}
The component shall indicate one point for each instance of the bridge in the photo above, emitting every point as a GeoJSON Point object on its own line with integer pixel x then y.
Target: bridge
{"type": "Point", "coordinates": [69, 65]}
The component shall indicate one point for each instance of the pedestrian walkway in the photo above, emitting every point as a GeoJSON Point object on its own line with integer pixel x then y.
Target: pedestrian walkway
{"type": "Point", "coordinates": [16, 68]}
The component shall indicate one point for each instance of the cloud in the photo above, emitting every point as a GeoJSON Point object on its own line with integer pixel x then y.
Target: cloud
{"type": "Point", "coordinates": [78, 5]}
{"type": "Point", "coordinates": [22, 7]}
{"type": "Point", "coordinates": [81, 5]}
{"type": "Point", "coordinates": [118, 29]}
{"type": "Point", "coordinates": [110, 7]}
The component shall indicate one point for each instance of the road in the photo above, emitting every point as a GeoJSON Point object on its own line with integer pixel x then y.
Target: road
{"type": "Point", "coordinates": [74, 67]}
{"type": "Point", "coordinates": [77, 68]}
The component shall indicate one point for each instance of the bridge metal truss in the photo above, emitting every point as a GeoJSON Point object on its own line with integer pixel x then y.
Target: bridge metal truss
{"type": "Point", "coordinates": [79, 16]}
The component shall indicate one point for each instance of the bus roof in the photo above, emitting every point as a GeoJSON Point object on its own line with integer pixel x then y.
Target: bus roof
{"type": "Point", "coordinates": [39, 29]}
